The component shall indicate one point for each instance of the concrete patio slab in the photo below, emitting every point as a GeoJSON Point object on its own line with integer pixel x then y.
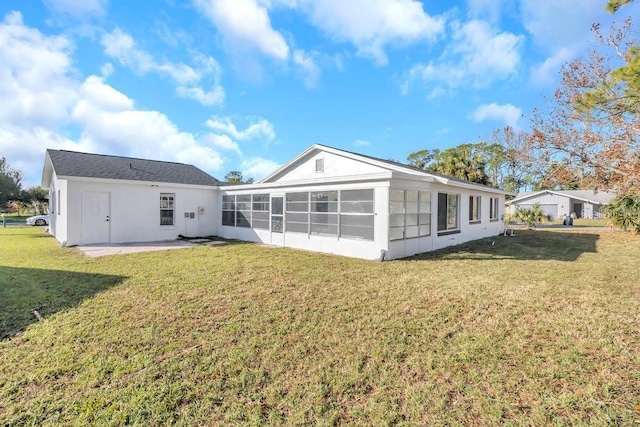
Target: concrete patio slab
{"type": "Point", "coordinates": [95, 251]}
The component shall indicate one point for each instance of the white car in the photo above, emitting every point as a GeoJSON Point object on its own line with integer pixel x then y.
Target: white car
{"type": "Point", "coordinates": [38, 220]}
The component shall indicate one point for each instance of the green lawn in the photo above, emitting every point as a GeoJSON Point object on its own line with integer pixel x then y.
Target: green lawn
{"type": "Point", "coordinates": [537, 329]}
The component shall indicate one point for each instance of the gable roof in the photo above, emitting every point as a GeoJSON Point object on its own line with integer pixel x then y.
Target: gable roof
{"type": "Point", "coordinates": [84, 165]}
{"type": "Point", "coordinates": [383, 163]}
{"type": "Point", "coordinates": [589, 196]}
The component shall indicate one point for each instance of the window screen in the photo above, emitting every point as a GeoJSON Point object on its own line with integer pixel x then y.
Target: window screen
{"type": "Point", "coordinates": [297, 212]}
{"type": "Point", "coordinates": [243, 210]}
{"type": "Point", "coordinates": [324, 213]}
{"type": "Point", "coordinates": [356, 214]}
{"type": "Point", "coordinates": [260, 211]}
{"type": "Point", "coordinates": [229, 210]}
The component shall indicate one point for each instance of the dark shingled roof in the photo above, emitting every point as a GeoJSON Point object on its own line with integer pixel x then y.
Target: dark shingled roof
{"type": "Point", "coordinates": [73, 163]}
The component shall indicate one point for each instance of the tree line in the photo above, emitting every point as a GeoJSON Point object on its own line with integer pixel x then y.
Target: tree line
{"type": "Point", "coordinates": [14, 197]}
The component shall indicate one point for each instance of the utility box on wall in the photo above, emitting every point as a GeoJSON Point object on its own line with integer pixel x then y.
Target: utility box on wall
{"type": "Point", "coordinates": [201, 210]}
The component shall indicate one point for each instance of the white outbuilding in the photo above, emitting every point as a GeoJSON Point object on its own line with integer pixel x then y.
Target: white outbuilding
{"type": "Point", "coordinates": [324, 200]}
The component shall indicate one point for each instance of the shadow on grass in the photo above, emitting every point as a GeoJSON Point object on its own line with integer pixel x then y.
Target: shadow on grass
{"type": "Point", "coordinates": [525, 245]}
{"type": "Point", "coordinates": [23, 290]}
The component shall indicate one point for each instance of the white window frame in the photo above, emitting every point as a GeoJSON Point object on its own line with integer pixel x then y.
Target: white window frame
{"type": "Point", "coordinates": [171, 206]}
{"type": "Point", "coordinates": [447, 229]}
{"type": "Point", "coordinates": [233, 209]}
{"type": "Point", "coordinates": [477, 202]}
{"type": "Point", "coordinates": [494, 210]}
{"type": "Point", "coordinates": [343, 215]}
{"type": "Point", "coordinates": [400, 212]}
{"type": "Point", "coordinates": [320, 165]}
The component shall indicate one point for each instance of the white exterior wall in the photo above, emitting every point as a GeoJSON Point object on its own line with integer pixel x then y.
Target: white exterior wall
{"type": "Point", "coordinates": [350, 247]}
{"type": "Point", "coordinates": [135, 211]}
{"type": "Point", "coordinates": [468, 232]}
{"type": "Point", "coordinates": [335, 166]}
{"type": "Point", "coordinates": [58, 219]}
{"type": "Point", "coordinates": [563, 203]}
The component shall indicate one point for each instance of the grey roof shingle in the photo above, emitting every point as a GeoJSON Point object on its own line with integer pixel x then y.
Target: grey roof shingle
{"type": "Point", "coordinates": [73, 163]}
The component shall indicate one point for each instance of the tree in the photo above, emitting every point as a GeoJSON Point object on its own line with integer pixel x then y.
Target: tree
{"type": "Point", "coordinates": [614, 5]}
{"type": "Point", "coordinates": [10, 183]}
{"type": "Point", "coordinates": [592, 128]}
{"type": "Point", "coordinates": [466, 161]}
{"type": "Point", "coordinates": [518, 160]}
{"type": "Point", "coordinates": [236, 177]}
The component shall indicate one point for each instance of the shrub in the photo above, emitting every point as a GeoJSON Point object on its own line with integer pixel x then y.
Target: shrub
{"type": "Point", "coordinates": [624, 212]}
{"type": "Point", "coordinates": [530, 216]}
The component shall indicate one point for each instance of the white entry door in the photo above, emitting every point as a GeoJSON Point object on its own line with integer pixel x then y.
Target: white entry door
{"type": "Point", "coordinates": [277, 220]}
{"type": "Point", "coordinates": [95, 217]}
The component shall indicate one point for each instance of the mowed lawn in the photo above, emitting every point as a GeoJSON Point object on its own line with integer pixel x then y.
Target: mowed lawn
{"type": "Point", "coordinates": [541, 328]}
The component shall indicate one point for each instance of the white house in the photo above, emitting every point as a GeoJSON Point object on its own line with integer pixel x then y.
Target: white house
{"type": "Point", "coordinates": [556, 204]}
{"type": "Point", "coordinates": [325, 200]}
{"type": "Point", "coordinates": [108, 199]}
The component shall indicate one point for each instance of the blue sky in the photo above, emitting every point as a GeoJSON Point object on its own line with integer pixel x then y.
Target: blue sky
{"type": "Point", "coordinates": [248, 84]}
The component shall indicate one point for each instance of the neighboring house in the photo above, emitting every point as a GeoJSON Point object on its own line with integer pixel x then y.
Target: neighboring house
{"type": "Point", "coordinates": [324, 200]}
{"type": "Point", "coordinates": [556, 204]}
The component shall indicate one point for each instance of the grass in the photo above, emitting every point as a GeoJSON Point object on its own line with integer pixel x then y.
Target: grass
{"type": "Point", "coordinates": [582, 222]}
{"type": "Point", "coordinates": [537, 329]}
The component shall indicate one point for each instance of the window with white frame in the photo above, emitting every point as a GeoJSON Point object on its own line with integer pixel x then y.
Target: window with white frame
{"type": "Point", "coordinates": [229, 210]}
{"type": "Point", "coordinates": [324, 213]}
{"type": "Point", "coordinates": [243, 210]}
{"type": "Point", "coordinates": [357, 214]}
{"type": "Point", "coordinates": [167, 209]}
{"type": "Point", "coordinates": [447, 212]}
{"type": "Point", "coordinates": [474, 209]}
{"type": "Point", "coordinates": [297, 212]}
{"type": "Point", "coordinates": [58, 203]}
{"type": "Point", "coordinates": [424, 211]}
{"type": "Point", "coordinates": [396, 214]}
{"type": "Point", "coordinates": [319, 165]}
{"type": "Point", "coordinates": [260, 211]}
{"type": "Point", "coordinates": [493, 209]}
{"type": "Point", "coordinates": [409, 214]}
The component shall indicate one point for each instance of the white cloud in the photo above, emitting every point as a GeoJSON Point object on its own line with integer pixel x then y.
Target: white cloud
{"type": "Point", "coordinates": [121, 46]}
{"type": "Point", "coordinates": [34, 75]}
{"type": "Point", "coordinates": [361, 143]}
{"type": "Point", "coordinates": [80, 9]}
{"type": "Point", "coordinates": [507, 113]}
{"type": "Point", "coordinates": [308, 67]}
{"type": "Point", "coordinates": [478, 55]}
{"type": "Point", "coordinates": [258, 167]}
{"type": "Point", "coordinates": [371, 25]}
{"type": "Point", "coordinates": [560, 23]}
{"type": "Point", "coordinates": [245, 26]}
{"type": "Point", "coordinates": [41, 94]}
{"type": "Point", "coordinates": [487, 9]}
{"type": "Point", "coordinates": [111, 124]}
{"type": "Point", "coordinates": [259, 129]}
{"type": "Point", "coordinates": [543, 73]}
{"type": "Point", "coordinates": [223, 142]}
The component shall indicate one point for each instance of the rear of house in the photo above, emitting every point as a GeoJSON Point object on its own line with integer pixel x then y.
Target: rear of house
{"type": "Point", "coordinates": [325, 200]}
{"type": "Point", "coordinates": [334, 201]}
